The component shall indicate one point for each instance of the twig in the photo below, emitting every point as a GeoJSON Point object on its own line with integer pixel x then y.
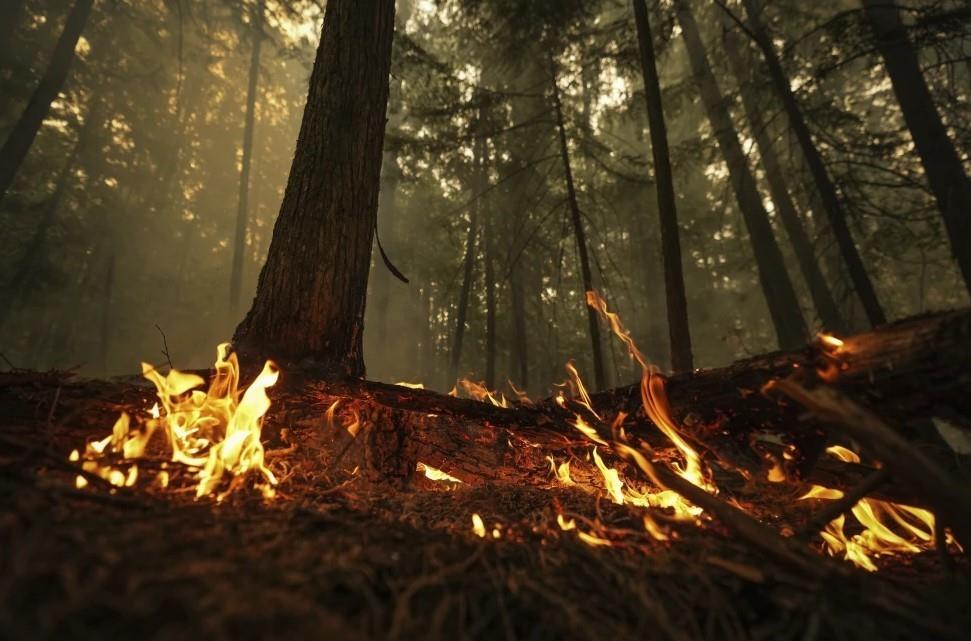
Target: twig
{"type": "Point", "coordinates": [50, 414]}
{"type": "Point", "coordinates": [945, 494]}
{"type": "Point", "coordinates": [835, 509]}
{"type": "Point", "coordinates": [165, 346]}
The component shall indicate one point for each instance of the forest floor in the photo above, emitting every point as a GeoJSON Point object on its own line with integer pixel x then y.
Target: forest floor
{"type": "Point", "coordinates": [334, 557]}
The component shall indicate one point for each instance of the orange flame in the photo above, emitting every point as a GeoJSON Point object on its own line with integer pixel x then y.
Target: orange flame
{"type": "Point", "coordinates": [888, 528]}
{"type": "Point", "coordinates": [216, 432]}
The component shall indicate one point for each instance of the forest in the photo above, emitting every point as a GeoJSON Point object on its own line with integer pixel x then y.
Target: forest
{"type": "Point", "coordinates": [576, 318]}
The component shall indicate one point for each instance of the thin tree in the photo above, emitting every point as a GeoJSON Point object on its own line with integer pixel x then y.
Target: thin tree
{"type": "Point", "coordinates": [828, 197]}
{"type": "Point", "coordinates": [677, 304]}
{"type": "Point", "coordinates": [819, 290]}
{"type": "Point", "coordinates": [21, 137]}
{"type": "Point", "coordinates": [490, 273]}
{"type": "Point", "coordinates": [242, 210]}
{"type": "Point", "coordinates": [578, 232]}
{"type": "Point", "coordinates": [310, 298]}
{"type": "Point", "coordinates": [790, 327]}
{"type": "Point", "coordinates": [945, 172]}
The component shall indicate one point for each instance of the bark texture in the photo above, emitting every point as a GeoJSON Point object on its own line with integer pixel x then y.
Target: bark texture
{"type": "Point", "coordinates": [677, 304]}
{"type": "Point", "coordinates": [242, 210]}
{"type": "Point", "coordinates": [945, 173]}
{"type": "Point", "coordinates": [828, 197]}
{"type": "Point", "coordinates": [310, 298]}
{"type": "Point", "coordinates": [779, 294]}
{"type": "Point", "coordinates": [21, 137]}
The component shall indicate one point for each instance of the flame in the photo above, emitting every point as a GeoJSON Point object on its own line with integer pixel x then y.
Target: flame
{"type": "Point", "coordinates": [478, 527]}
{"type": "Point", "coordinates": [436, 474]}
{"type": "Point", "coordinates": [410, 385]}
{"type": "Point", "coordinates": [655, 402]}
{"type": "Point", "coordinates": [828, 340]}
{"type": "Point", "coordinates": [481, 393]}
{"type": "Point", "coordinates": [592, 540]}
{"type": "Point", "coordinates": [562, 471]}
{"type": "Point", "coordinates": [577, 384]}
{"type": "Point", "coordinates": [216, 432]}
{"type": "Point", "coordinates": [888, 528]}
{"type": "Point", "coordinates": [565, 524]}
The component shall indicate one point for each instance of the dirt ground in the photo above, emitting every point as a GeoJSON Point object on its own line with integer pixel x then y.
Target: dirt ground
{"type": "Point", "coordinates": [334, 558]}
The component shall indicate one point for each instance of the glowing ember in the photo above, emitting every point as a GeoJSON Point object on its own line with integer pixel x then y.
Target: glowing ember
{"type": "Point", "coordinates": [410, 385]}
{"type": "Point", "coordinates": [831, 341]}
{"type": "Point", "coordinates": [436, 474]}
{"type": "Point", "coordinates": [216, 432]}
{"type": "Point", "coordinates": [478, 527]}
{"type": "Point", "coordinates": [888, 528]}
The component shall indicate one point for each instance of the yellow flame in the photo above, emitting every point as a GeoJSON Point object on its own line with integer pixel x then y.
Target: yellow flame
{"type": "Point", "coordinates": [888, 528]}
{"type": "Point", "coordinates": [565, 524]}
{"type": "Point", "coordinates": [562, 471]}
{"type": "Point", "coordinates": [654, 399]}
{"type": "Point", "coordinates": [410, 385]}
{"type": "Point", "coordinates": [592, 540]}
{"type": "Point", "coordinates": [478, 526]}
{"type": "Point", "coordinates": [436, 474]}
{"type": "Point", "coordinates": [481, 393]}
{"type": "Point", "coordinates": [831, 341]}
{"type": "Point", "coordinates": [217, 431]}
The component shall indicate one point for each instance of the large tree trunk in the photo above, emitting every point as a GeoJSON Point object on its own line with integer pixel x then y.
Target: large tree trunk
{"type": "Point", "coordinates": [777, 287]}
{"type": "Point", "coordinates": [828, 197]}
{"type": "Point", "coordinates": [22, 136]}
{"type": "Point", "coordinates": [580, 235]}
{"type": "Point", "coordinates": [819, 289]}
{"type": "Point", "coordinates": [310, 298]}
{"type": "Point", "coordinates": [677, 304]}
{"type": "Point", "coordinates": [945, 172]}
{"type": "Point", "coordinates": [242, 211]}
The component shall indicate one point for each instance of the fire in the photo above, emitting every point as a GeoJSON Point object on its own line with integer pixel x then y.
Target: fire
{"type": "Point", "coordinates": [831, 341]}
{"type": "Point", "coordinates": [562, 471]}
{"type": "Point", "coordinates": [480, 392]}
{"type": "Point", "coordinates": [410, 385]}
{"type": "Point", "coordinates": [888, 528]}
{"type": "Point", "coordinates": [214, 432]}
{"type": "Point", "coordinates": [478, 527]}
{"type": "Point", "coordinates": [436, 474]}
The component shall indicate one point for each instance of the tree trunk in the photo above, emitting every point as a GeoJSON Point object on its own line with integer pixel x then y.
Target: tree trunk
{"type": "Point", "coordinates": [581, 239]}
{"type": "Point", "coordinates": [242, 213]}
{"type": "Point", "coordinates": [948, 180]}
{"type": "Point", "coordinates": [310, 298]}
{"type": "Point", "coordinates": [777, 287]}
{"type": "Point", "coordinates": [520, 340]}
{"type": "Point", "coordinates": [11, 13]}
{"type": "Point", "coordinates": [677, 304]}
{"type": "Point", "coordinates": [461, 314]}
{"type": "Point", "coordinates": [819, 289]}
{"type": "Point", "coordinates": [490, 287]}
{"type": "Point", "coordinates": [828, 197]}
{"type": "Point", "coordinates": [20, 139]}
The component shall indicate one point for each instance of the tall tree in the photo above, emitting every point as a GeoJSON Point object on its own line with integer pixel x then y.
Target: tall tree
{"type": "Point", "coordinates": [790, 327]}
{"type": "Point", "coordinates": [677, 304]}
{"type": "Point", "coordinates": [580, 235]}
{"type": "Point", "coordinates": [819, 290]}
{"type": "Point", "coordinates": [311, 293]}
{"type": "Point", "coordinates": [242, 211]}
{"type": "Point", "coordinates": [21, 137]}
{"type": "Point", "coordinates": [945, 172]}
{"type": "Point", "coordinates": [461, 314]}
{"type": "Point", "coordinates": [825, 188]}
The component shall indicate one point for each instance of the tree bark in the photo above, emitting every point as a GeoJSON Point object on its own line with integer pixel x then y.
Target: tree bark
{"type": "Point", "coordinates": [677, 304]}
{"type": "Point", "coordinates": [490, 286]}
{"type": "Point", "coordinates": [21, 137]}
{"type": "Point", "coordinates": [828, 197]}
{"type": "Point", "coordinates": [819, 289]}
{"type": "Point", "coordinates": [776, 286]}
{"type": "Point", "coordinates": [520, 341]}
{"type": "Point", "coordinates": [461, 314]}
{"type": "Point", "coordinates": [580, 235]}
{"type": "Point", "coordinates": [242, 211]}
{"type": "Point", "coordinates": [311, 294]}
{"type": "Point", "coordinates": [945, 173]}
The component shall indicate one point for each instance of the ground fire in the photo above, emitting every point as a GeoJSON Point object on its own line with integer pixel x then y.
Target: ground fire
{"type": "Point", "coordinates": [542, 320]}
